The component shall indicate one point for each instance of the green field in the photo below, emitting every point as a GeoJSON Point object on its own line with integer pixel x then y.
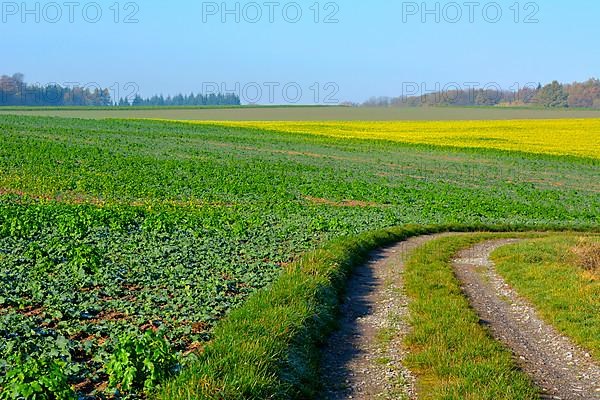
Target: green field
{"type": "Point", "coordinates": [308, 113]}
{"type": "Point", "coordinates": [112, 228]}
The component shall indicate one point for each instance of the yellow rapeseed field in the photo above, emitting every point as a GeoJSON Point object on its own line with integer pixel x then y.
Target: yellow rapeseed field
{"type": "Point", "coordinates": [576, 137]}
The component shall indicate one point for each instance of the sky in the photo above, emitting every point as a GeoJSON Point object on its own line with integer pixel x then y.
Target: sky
{"type": "Point", "coordinates": [299, 52]}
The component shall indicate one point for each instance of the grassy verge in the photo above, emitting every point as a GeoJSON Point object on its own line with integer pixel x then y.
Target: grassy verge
{"type": "Point", "coordinates": [546, 272]}
{"type": "Point", "coordinates": [268, 348]}
{"type": "Point", "coordinates": [453, 356]}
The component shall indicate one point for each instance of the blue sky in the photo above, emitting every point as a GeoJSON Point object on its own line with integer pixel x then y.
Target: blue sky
{"type": "Point", "coordinates": [367, 48]}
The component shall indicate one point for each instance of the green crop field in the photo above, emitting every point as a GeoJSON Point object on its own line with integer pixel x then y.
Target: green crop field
{"type": "Point", "coordinates": [112, 230]}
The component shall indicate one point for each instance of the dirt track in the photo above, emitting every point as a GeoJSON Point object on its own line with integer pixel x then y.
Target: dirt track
{"type": "Point", "coordinates": [356, 365]}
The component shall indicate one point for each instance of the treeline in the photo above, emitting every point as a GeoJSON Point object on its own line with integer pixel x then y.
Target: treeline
{"type": "Point", "coordinates": [553, 95]}
{"type": "Point", "coordinates": [14, 91]}
{"type": "Point", "coordinates": [212, 99]}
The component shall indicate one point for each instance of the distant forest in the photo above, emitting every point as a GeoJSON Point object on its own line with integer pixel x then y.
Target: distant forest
{"type": "Point", "coordinates": [553, 95]}
{"type": "Point", "coordinates": [14, 91]}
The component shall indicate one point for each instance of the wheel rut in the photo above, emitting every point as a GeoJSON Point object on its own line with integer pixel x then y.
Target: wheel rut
{"type": "Point", "coordinates": [355, 364]}
{"type": "Point", "coordinates": [560, 368]}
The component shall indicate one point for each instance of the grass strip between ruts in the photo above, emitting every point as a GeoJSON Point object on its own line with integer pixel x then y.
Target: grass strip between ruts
{"type": "Point", "coordinates": [452, 354]}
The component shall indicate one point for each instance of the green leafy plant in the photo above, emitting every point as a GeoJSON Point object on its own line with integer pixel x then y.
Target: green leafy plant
{"type": "Point", "coordinates": [140, 363]}
{"type": "Point", "coordinates": [36, 379]}
{"type": "Point", "coordinates": [86, 259]}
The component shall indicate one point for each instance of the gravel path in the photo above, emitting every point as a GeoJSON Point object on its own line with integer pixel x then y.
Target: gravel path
{"type": "Point", "coordinates": [355, 363]}
{"type": "Point", "coordinates": [558, 367]}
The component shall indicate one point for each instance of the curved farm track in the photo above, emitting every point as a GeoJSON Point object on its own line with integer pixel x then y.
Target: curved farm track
{"type": "Point", "coordinates": [356, 365]}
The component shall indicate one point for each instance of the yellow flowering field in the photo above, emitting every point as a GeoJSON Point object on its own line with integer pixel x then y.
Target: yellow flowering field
{"type": "Point", "coordinates": [576, 137]}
